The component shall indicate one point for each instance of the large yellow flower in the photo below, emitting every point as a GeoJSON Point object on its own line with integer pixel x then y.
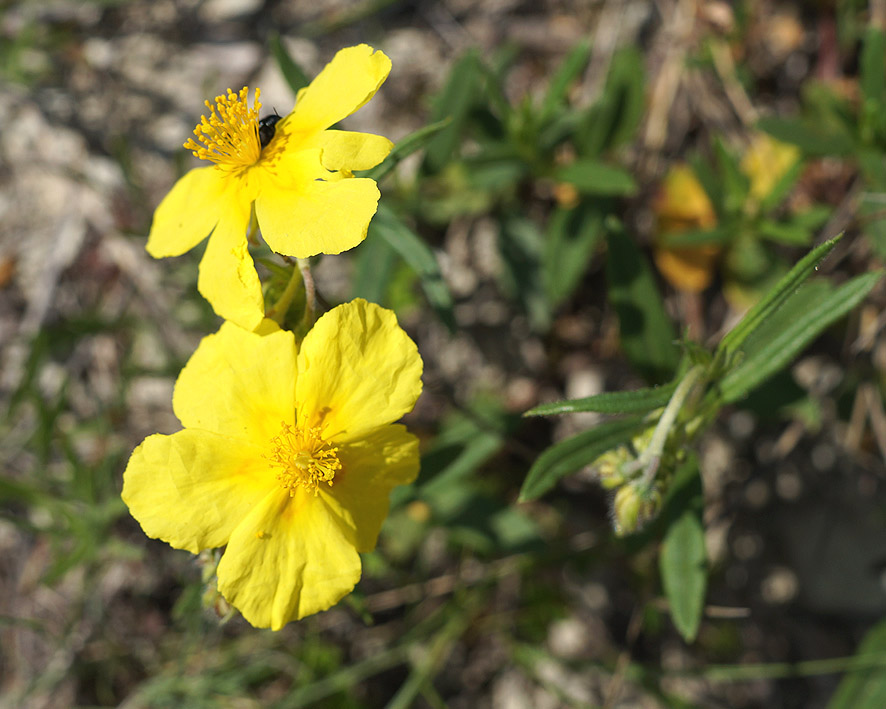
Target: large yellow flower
{"type": "Point", "coordinates": [287, 457]}
{"type": "Point", "coordinates": [297, 174]}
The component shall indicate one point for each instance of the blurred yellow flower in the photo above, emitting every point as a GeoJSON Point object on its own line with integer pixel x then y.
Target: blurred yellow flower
{"type": "Point", "coordinates": [682, 205]}
{"type": "Point", "coordinates": [764, 163]}
{"type": "Point", "coordinates": [287, 457]}
{"type": "Point", "coordinates": [296, 173]}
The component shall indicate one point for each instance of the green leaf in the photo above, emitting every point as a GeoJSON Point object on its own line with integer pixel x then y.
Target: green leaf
{"type": "Point", "coordinates": [776, 297]}
{"type": "Point", "coordinates": [613, 119]}
{"type": "Point", "coordinates": [569, 70]}
{"type": "Point", "coordinates": [683, 565]}
{"type": "Point", "coordinates": [291, 71]}
{"type": "Point", "coordinates": [693, 238]}
{"type": "Point", "coordinates": [807, 315]}
{"type": "Point", "coordinates": [785, 232]}
{"type": "Point", "coordinates": [419, 256]}
{"type": "Point", "coordinates": [571, 454]}
{"type": "Point", "coordinates": [374, 264]}
{"type": "Point", "coordinates": [596, 178]}
{"type": "Point", "coordinates": [735, 182]}
{"type": "Point", "coordinates": [810, 137]}
{"type": "Point", "coordinates": [647, 335]}
{"type": "Point", "coordinates": [521, 244]}
{"type": "Point", "coordinates": [782, 186]}
{"type": "Point", "coordinates": [872, 69]}
{"type": "Point", "coordinates": [455, 102]}
{"type": "Point", "coordinates": [615, 402]}
{"type": "Point", "coordinates": [570, 241]}
{"type": "Point", "coordinates": [404, 148]}
{"type": "Point", "coordinates": [865, 688]}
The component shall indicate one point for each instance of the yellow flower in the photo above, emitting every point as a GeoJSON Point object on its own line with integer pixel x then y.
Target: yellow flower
{"type": "Point", "coordinates": [287, 457]}
{"type": "Point", "coordinates": [299, 180]}
{"type": "Point", "coordinates": [682, 205]}
{"type": "Point", "coordinates": [766, 161]}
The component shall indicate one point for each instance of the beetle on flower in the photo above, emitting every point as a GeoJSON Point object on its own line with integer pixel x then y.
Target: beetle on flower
{"type": "Point", "coordinates": [298, 178]}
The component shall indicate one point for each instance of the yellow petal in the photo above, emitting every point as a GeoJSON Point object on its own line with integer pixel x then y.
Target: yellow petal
{"type": "Point", "coordinates": [344, 150]}
{"type": "Point", "coordinates": [324, 218]}
{"type": "Point", "coordinates": [286, 560]}
{"type": "Point", "coordinates": [239, 384]}
{"type": "Point", "coordinates": [371, 467]}
{"type": "Point", "coordinates": [191, 489]}
{"type": "Point", "coordinates": [358, 370]}
{"type": "Point", "coordinates": [689, 270]}
{"type": "Point", "coordinates": [227, 273]}
{"type": "Point", "coordinates": [345, 84]}
{"type": "Point", "coordinates": [188, 213]}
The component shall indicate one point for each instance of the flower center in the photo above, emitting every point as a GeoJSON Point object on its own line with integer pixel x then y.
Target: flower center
{"type": "Point", "coordinates": [230, 136]}
{"type": "Point", "coordinates": [305, 460]}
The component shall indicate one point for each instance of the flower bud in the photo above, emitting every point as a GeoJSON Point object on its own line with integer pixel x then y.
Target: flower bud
{"type": "Point", "coordinates": [634, 506]}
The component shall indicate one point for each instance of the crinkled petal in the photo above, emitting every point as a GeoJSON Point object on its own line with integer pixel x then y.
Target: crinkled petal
{"type": "Point", "coordinates": [323, 218]}
{"type": "Point", "coordinates": [345, 150]}
{"type": "Point", "coordinates": [345, 85]}
{"type": "Point", "coordinates": [238, 383]}
{"type": "Point", "coordinates": [191, 489]}
{"type": "Point", "coordinates": [189, 212]}
{"type": "Point", "coordinates": [371, 467]}
{"type": "Point", "coordinates": [287, 559]}
{"type": "Point", "coordinates": [227, 276]}
{"type": "Point", "coordinates": [358, 370]}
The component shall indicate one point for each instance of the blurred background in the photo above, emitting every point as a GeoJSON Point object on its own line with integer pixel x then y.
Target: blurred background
{"type": "Point", "coordinates": [669, 156]}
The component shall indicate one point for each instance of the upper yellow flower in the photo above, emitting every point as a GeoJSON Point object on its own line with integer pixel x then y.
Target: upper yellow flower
{"type": "Point", "coordinates": [297, 174]}
{"type": "Point", "coordinates": [287, 457]}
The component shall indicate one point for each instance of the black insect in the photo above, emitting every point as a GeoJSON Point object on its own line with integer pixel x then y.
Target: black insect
{"type": "Point", "coordinates": [267, 126]}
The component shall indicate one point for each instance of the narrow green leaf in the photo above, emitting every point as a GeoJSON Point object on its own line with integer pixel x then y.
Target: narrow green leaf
{"type": "Point", "coordinates": [785, 232]}
{"type": "Point", "coordinates": [865, 688]}
{"type": "Point", "coordinates": [455, 102]}
{"type": "Point", "coordinates": [419, 256]}
{"type": "Point", "coordinates": [291, 71]}
{"type": "Point", "coordinates": [693, 238]}
{"type": "Point", "coordinates": [597, 178]}
{"type": "Point", "coordinates": [405, 148]}
{"type": "Point", "coordinates": [521, 244]}
{"type": "Point", "coordinates": [615, 402]}
{"type": "Point", "coordinates": [374, 264]}
{"type": "Point", "coordinates": [571, 454]}
{"type": "Point", "coordinates": [735, 183]}
{"type": "Point", "coordinates": [784, 337]}
{"type": "Point", "coordinates": [647, 335]}
{"type": "Point", "coordinates": [614, 118]}
{"type": "Point", "coordinates": [782, 186]}
{"type": "Point", "coordinates": [568, 71]}
{"type": "Point", "coordinates": [812, 139]}
{"type": "Point", "coordinates": [872, 69]}
{"type": "Point", "coordinates": [777, 296]}
{"type": "Point", "coordinates": [570, 241]}
{"type": "Point", "coordinates": [683, 565]}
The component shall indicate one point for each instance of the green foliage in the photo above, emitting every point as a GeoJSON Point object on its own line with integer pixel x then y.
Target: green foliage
{"type": "Point", "coordinates": [683, 561]}
{"type": "Point", "coordinates": [647, 336]}
{"type": "Point", "coordinates": [864, 686]}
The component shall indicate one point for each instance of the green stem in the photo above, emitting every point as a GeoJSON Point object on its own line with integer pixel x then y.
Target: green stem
{"type": "Point", "coordinates": [650, 458]}
{"type": "Point", "coordinates": [310, 291]}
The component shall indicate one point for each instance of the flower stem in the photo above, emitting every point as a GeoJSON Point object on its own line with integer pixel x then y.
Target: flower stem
{"type": "Point", "coordinates": [310, 291]}
{"type": "Point", "coordinates": [650, 458]}
{"type": "Point", "coordinates": [652, 454]}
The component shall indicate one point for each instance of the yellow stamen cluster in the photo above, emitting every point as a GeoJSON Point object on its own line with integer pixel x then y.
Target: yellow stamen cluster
{"type": "Point", "coordinates": [304, 458]}
{"type": "Point", "coordinates": [229, 136]}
